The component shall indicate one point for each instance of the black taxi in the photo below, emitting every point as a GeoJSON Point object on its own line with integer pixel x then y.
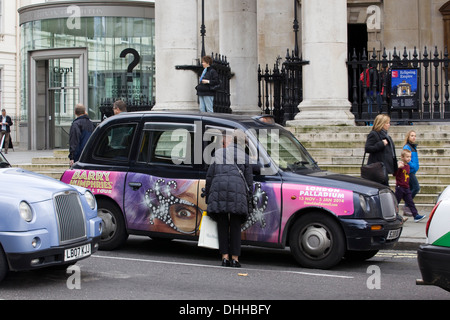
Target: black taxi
{"type": "Point", "coordinates": [147, 171]}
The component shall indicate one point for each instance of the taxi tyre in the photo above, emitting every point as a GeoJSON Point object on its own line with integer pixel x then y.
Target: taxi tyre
{"type": "Point", "coordinates": [317, 241]}
{"type": "Point", "coordinates": [114, 232]}
{"type": "Point", "coordinates": [359, 256]}
{"type": "Point", "coordinates": [3, 264]}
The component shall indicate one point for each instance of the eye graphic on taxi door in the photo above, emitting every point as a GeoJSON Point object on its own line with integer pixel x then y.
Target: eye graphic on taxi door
{"type": "Point", "coordinates": [177, 212]}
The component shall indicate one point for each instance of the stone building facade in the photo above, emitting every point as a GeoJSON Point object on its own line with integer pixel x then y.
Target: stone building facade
{"type": "Point", "coordinates": [252, 33]}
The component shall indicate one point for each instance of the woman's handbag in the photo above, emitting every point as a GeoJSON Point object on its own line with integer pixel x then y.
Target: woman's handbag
{"type": "Point", "coordinates": [209, 236]}
{"type": "Point", "coordinates": [375, 171]}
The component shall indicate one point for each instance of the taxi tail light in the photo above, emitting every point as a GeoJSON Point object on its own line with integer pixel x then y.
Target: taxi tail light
{"type": "Point", "coordinates": [431, 217]}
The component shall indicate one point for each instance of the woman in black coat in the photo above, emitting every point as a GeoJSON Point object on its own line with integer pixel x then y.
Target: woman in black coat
{"type": "Point", "coordinates": [205, 89]}
{"type": "Point", "coordinates": [227, 195]}
{"type": "Point", "coordinates": [380, 145]}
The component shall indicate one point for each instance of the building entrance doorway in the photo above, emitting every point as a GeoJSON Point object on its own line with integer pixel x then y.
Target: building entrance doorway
{"type": "Point", "coordinates": [58, 84]}
{"type": "Point", "coordinates": [63, 94]}
{"type": "Point", "coordinates": [357, 39]}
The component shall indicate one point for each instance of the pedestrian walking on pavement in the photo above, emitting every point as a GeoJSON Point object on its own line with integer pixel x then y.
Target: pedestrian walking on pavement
{"type": "Point", "coordinates": [380, 146]}
{"type": "Point", "coordinates": [410, 144]}
{"type": "Point", "coordinates": [229, 186]}
{"type": "Point", "coordinates": [80, 131]}
{"type": "Point", "coordinates": [5, 130]}
{"type": "Point", "coordinates": [402, 190]}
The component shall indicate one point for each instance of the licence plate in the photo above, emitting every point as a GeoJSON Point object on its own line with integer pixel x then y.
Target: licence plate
{"type": "Point", "coordinates": [77, 252]}
{"type": "Point", "coordinates": [394, 234]}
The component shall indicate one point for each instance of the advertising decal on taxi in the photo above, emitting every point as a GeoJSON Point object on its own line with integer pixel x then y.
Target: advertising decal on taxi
{"type": "Point", "coordinates": [443, 241]}
{"type": "Point", "coordinates": [338, 201]}
{"type": "Point", "coordinates": [99, 182]}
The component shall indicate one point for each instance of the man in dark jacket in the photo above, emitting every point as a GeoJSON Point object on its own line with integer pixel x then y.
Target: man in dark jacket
{"type": "Point", "coordinates": [229, 186]}
{"type": "Point", "coordinates": [205, 90]}
{"type": "Point", "coordinates": [5, 130]}
{"type": "Point", "coordinates": [80, 131]}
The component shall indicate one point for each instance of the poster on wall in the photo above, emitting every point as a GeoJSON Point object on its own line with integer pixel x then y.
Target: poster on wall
{"type": "Point", "coordinates": [405, 88]}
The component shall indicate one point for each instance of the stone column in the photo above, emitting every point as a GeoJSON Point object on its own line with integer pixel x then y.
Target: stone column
{"type": "Point", "coordinates": [238, 42]}
{"type": "Point", "coordinates": [176, 44]}
{"type": "Point", "coordinates": [325, 79]}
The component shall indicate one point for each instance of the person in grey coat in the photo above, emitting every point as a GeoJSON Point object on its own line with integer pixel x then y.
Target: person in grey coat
{"type": "Point", "coordinates": [229, 186]}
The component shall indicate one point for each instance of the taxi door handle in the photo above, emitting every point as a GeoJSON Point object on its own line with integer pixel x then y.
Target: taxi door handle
{"type": "Point", "coordinates": [135, 185]}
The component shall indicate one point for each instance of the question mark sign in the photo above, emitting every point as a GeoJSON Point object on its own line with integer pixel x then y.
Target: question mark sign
{"type": "Point", "coordinates": [133, 64]}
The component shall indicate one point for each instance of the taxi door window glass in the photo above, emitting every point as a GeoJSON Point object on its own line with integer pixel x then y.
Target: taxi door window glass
{"type": "Point", "coordinates": [115, 144]}
{"type": "Point", "coordinates": [170, 144]}
{"type": "Point", "coordinates": [285, 151]}
{"type": "Point", "coordinates": [213, 138]}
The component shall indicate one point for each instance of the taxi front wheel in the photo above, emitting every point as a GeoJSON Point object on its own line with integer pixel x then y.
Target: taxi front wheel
{"type": "Point", "coordinates": [114, 233]}
{"type": "Point", "coordinates": [317, 241]}
{"type": "Point", "coordinates": [3, 264]}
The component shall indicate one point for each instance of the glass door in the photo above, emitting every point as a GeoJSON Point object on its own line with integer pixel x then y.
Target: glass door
{"type": "Point", "coordinates": [63, 96]}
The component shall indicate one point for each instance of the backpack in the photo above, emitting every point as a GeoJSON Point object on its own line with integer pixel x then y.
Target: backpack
{"type": "Point", "coordinates": [361, 77]}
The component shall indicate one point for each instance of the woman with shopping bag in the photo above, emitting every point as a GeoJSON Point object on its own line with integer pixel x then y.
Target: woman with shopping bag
{"type": "Point", "coordinates": [229, 186]}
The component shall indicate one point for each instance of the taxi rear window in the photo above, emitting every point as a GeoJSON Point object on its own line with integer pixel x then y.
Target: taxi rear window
{"type": "Point", "coordinates": [115, 143]}
{"type": "Point", "coordinates": [166, 143]}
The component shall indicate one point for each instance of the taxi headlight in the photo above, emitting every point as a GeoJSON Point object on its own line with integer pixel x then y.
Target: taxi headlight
{"type": "Point", "coordinates": [90, 198]}
{"type": "Point", "coordinates": [364, 204]}
{"type": "Point", "coordinates": [25, 211]}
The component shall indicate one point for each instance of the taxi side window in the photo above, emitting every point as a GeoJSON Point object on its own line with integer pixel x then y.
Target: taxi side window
{"type": "Point", "coordinates": [213, 136]}
{"type": "Point", "coordinates": [170, 144]}
{"type": "Point", "coordinates": [115, 143]}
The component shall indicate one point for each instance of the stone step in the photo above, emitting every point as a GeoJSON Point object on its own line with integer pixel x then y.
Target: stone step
{"type": "Point", "coordinates": [397, 137]}
{"type": "Point", "coordinates": [357, 160]}
{"type": "Point", "coordinates": [44, 167]}
{"type": "Point", "coordinates": [434, 179]}
{"type": "Point", "coordinates": [355, 169]}
{"type": "Point", "coordinates": [50, 160]}
{"type": "Point", "coordinates": [423, 152]}
{"type": "Point", "coordinates": [420, 129]}
{"type": "Point", "coordinates": [61, 153]}
{"type": "Point", "coordinates": [354, 143]}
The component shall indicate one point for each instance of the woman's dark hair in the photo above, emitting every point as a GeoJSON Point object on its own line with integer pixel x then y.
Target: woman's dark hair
{"type": "Point", "coordinates": [208, 60]}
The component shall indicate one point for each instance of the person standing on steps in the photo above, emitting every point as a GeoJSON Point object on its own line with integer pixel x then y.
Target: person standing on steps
{"type": "Point", "coordinates": [205, 89]}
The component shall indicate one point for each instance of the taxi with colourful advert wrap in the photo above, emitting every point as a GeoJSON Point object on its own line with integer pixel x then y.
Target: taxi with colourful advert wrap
{"type": "Point", "coordinates": [434, 256]}
{"type": "Point", "coordinates": [148, 173]}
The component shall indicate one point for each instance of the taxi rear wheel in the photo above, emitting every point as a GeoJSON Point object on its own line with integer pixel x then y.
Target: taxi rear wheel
{"type": "Point", "coordinates": [317, 241]}
{"type": "Point", "coordinates": [114, 233]}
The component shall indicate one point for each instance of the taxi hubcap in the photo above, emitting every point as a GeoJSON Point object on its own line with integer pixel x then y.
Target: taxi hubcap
{"type": "Point", "coordinates": [316, 241]}
{"type": "Point", "coordinates": [109, 224]}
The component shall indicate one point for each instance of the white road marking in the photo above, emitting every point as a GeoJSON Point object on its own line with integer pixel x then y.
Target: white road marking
{"type": "Point", "coordinates": [210, 266]}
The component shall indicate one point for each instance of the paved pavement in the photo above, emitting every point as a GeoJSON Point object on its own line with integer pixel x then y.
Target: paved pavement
{"type": "Point", "coordinates": [24, 156]}
{"type": "Point", "coordinates": [413, 234]}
